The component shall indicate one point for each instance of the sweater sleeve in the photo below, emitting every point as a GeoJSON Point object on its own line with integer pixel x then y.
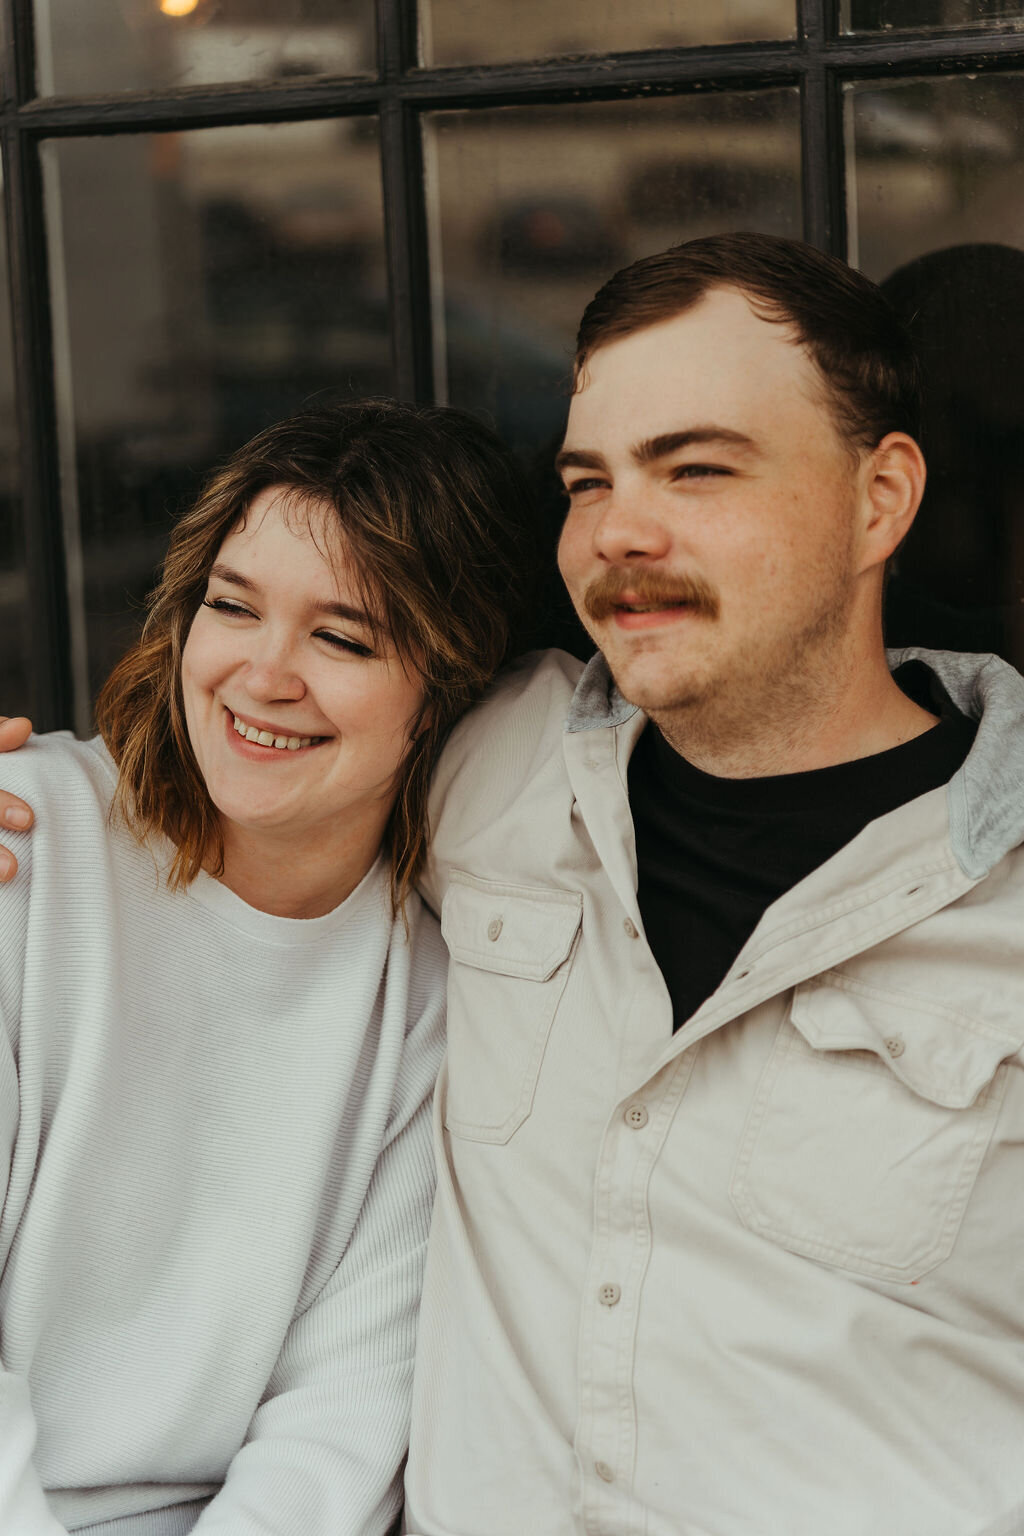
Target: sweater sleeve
{"type": "Point", "coordinates": [325, 1448]}
{"type": "Point", "coordinates": [23, 1506]}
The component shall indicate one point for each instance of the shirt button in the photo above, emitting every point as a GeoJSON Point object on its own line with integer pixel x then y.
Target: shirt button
{"type": "Point", "coordinates": [636, 1116]}
{"type": "Point", "coordinates": [629, 929]}
{"type": "Point", "coordinates": [604, 1472]}
{"type": "Point", "coordinates": [894, 1045]}
{"type": "Point", "coordinates": [609, 1294]}
{"type": "Point", "coordinates": [494, 928]}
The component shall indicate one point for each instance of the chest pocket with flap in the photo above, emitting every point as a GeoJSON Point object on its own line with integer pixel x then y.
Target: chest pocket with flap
{"type": "Point", "coordinates": [869, 1127]}
{"type": "Point", "coordinates": [511, 949]}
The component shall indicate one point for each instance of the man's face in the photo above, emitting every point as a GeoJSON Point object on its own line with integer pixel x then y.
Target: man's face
{"type": "Point", "coordinates": [710, 543]}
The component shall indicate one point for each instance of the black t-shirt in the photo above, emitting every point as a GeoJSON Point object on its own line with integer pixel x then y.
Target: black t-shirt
{"type": "Point", "coordinates": [714, 853]}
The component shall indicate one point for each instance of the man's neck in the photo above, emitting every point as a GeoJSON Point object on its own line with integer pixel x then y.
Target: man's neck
{"type": "Point", "coordinates": [795, 729]}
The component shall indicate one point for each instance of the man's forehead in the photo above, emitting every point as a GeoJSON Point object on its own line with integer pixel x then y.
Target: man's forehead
{"type": "Point", "coordinates": [717, 361]}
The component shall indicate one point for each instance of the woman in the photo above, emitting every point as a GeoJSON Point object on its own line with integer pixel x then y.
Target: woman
{"type": "Point", "coordinates": [221, 1004]}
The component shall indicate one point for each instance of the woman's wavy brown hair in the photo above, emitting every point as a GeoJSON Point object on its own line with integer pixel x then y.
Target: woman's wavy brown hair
{"type": "Point", "coordinates": [436, 517]}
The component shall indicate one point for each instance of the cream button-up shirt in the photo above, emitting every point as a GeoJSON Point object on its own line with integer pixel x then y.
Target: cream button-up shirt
{"type": "Point", "coordinates": [761, 1275]}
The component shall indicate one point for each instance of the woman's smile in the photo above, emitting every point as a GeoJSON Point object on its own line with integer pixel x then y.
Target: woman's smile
{"type": "Point", "coordinates": [259, 734]}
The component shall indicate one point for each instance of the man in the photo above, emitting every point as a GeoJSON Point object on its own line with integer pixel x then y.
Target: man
{"type": "Point", "coordinates": [729, 1142]}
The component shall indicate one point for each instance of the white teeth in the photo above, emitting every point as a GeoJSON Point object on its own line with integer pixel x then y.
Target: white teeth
{"type": "Point", "coordinates": [268, 739]}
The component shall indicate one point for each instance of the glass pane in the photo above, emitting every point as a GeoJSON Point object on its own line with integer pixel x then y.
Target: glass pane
{"type": "Point", "coordinates": [204, 284]}
{"type": "Point", "coordinates": [533, 207]}
{"type": "Point", "coordinates": [126, 45]}
{"type": "Point", "coordinates": [929, 15]}
{"type": "Point", "coordinates": [470, 31]}
{"type": "Point", "coordinates": [14, 615]}
{"type": "Point", "coordinates": [937, 213]}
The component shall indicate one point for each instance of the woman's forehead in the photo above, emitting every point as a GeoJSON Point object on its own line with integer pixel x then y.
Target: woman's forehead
{"type": "Point", "coordinates": [289, 533]}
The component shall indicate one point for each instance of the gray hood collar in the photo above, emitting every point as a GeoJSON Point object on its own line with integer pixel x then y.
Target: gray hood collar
{"type": "Point", "coordinates": [597, 702]}
{"type": "Point", "coordinates": [986, 795]}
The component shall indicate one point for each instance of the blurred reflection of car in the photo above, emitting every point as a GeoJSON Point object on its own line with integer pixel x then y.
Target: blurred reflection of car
{"type": "Point", "coordinates": [885, 125]}
{"type": "Point", "coordinates": [666, 184]}
{"type": "Point", "coordinates": [548, 235]}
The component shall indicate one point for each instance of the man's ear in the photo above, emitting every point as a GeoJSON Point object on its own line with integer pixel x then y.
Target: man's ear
{"type": "Point", "coordinates": [894, 477]}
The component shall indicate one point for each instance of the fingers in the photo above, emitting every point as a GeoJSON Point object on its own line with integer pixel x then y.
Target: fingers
{"type": "Point", "coordinates": [14, 813]}
{"type": "Point", "coordinates": [14, 732]}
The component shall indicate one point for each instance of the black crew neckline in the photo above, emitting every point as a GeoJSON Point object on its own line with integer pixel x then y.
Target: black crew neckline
{"type": "Point", "coordinates": [950, 737]}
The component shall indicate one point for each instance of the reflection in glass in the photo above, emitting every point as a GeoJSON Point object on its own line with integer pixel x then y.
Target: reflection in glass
{"type": "Point", "coordinates": [937, 210]}
{"type": "Point", "coordinates": [204, 284]}
{"type": "Point", "coordinates": [472, 32]}
{"type": "Point", "coordinates": [125, 45]}
{"type": "Point", "coordinates": [928, 15]}
{"type": "Point", "coordinates": [533, 207]}
{"type": "Point", "coordinates": [14, 615]}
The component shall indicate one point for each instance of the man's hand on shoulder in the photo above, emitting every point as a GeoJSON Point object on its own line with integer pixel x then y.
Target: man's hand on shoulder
{"type": "Point", "coordinates": [14, 732]}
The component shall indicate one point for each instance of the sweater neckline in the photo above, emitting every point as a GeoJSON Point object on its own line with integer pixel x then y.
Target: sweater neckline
{"type": "Point", "coordinates": [372, 893]}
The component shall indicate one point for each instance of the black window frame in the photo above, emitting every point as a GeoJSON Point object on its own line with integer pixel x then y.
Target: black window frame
{"type": "Point", "coordinates": [819, 61]}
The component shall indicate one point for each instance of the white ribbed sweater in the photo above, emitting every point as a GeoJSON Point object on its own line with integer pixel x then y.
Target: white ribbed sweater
{"type": "Point", "coordinates": [216, 1174]}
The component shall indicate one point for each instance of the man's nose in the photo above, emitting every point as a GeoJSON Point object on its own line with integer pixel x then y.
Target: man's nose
{"type": "Point", "coordinates": [629, 529]}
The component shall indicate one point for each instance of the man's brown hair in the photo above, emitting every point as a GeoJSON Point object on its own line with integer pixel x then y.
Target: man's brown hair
{"type": "Point", "coordinates": [862, 351]}
{"type": "Point", "coordinates": [434, 514]}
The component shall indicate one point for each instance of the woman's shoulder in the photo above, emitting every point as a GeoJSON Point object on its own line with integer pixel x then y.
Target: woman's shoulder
{"type": "Point", "coordinates": [57, 765]}
{"type": "Point", "coordinates": [70, 785]}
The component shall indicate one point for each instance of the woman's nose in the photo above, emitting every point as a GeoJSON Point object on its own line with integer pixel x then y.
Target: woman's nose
{"type": "Point", "coordinates": [272, 672]}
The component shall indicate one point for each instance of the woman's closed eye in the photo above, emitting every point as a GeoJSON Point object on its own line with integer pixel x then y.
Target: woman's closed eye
{"type": "Point", "coordinates": [228, 607]}
{"type": "Point", "coordinates": [343, 643]}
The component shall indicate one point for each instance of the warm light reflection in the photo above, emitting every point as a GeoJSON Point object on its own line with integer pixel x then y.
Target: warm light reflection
{"type": "Point", "coordinates": [178, 7]}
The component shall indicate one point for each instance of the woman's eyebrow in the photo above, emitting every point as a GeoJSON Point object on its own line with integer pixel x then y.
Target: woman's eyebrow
{"type": "Point", "coordinates": [225, 573]}
{"type": "Point", "coordinates": [336, 610]}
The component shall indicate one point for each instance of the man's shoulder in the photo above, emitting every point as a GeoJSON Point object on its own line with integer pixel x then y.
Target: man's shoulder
{"type": "Point", "coordinates": [522, 714]}
{"type": "Point", "coordinates": [502, 772]}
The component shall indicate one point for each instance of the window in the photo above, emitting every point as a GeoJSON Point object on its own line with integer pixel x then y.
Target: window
{"type": "Point", "coordinates": [220, 209]}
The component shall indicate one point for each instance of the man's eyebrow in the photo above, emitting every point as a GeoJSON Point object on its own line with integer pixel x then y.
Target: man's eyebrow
{"type": "Point", "coordinates": [653, 448]}
{"type": "Point", "coordinates": [336, 610]}
{"type": "Point", "coordinates": [578, 458]}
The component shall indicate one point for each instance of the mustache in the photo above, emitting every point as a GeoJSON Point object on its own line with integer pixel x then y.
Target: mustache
{"type": "Point", "coordinates": [605, 595]}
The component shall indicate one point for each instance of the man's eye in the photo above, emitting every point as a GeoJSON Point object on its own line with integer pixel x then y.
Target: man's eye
{"type": "Point", "coordinates": [577, 487]}
{"type": "Point", "coordinates": [342, 643]}
{"type": "Point", "coordinates": [226, 606]}
{"type": "Point", "coordinates": [699, 471]}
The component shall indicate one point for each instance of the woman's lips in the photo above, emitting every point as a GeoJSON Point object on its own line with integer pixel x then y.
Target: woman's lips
{"type": "Point", "coordinates": [265, 736]}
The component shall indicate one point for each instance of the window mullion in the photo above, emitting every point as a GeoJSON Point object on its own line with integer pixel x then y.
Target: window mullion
{"type": "Point", "coordinates": [821, 116]}
{"type": "Point", "coordinates": [405, 219]}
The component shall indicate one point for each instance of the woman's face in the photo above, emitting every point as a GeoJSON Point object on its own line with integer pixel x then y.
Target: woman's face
{"type": "Point", "coordinates": [297, 719]}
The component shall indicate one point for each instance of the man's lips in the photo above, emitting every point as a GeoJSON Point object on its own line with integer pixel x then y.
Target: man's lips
{"type": "Point", "coordinates": [648, 616]}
